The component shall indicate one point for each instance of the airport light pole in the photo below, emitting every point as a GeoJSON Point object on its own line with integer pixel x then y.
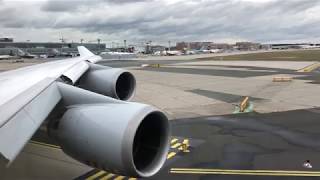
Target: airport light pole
{"type": "Point", "coordinates": [169, 45]}
{"type": "Point", "coordinates": [99, 40]}
{"type": "Point", "coordinates": [63, 40]}
{"type": "Point", "coordinates": [148, 50]}
{"type": "Point", "coordinates": [27, 46]}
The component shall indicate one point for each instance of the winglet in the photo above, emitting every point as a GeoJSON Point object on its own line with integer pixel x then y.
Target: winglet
{"type": "Point", "coordinates": [84, 52]}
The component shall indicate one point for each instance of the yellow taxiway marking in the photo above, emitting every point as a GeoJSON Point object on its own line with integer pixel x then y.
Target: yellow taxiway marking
{"type": "Point", "coordinates": [107, 176]}
{"type": "Point", "coordinates": [174, 140]}
{"type": "Point", "coordinates": [176, 145]}
{"type": "Point", "coordinates": [132, 178]}
{"type": "Point", "coordinates": [171, 154]}
{"type": "Point", "coordinates": [244, 172]}
{"type": "Point", "coordinates": [96, 175]}
{"type": "Point", "coordinates": [309, 68]}
{"type": "Point", "coordinates": [45, 144]}
{"type": "Point", "coordinates": [119, 178]}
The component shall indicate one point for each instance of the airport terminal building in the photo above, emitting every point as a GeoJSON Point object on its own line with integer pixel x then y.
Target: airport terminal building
{"type": "Point", "coordinates": [27, 45]}
{"type": "Point", "coordinates": [45, 47]}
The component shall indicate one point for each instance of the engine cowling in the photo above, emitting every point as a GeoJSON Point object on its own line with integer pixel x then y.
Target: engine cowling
{"type": "Point", "coordinates": [132, 143]}
{"type": "Point", "coordinates": [112, 82]}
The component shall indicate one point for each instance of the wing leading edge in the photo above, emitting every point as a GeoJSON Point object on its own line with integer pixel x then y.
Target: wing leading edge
{"type": "Point", "coordinates": [33, 100]}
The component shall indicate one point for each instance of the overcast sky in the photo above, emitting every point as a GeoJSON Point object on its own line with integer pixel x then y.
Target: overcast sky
{"type": "Point", "coordinates": [161, 20]}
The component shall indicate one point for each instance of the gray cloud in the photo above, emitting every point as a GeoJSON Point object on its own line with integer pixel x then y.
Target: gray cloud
{"type": "Point", "coordinates": [73, 5]}
{"type": "Point", "coordinates": [160, 20]}
{"type": "Point", "coordinates": [125, 1]}
{"type": "Point", "coordinates": [59, 6]}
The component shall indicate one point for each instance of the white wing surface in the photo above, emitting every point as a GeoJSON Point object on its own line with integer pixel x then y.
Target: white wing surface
{"type": "Point", "coordinates": [29, 94]}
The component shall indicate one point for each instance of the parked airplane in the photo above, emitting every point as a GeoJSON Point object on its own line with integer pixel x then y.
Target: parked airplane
{"type": "Point", "coordinates": [3, 57]}
{"type": "Point", "coordinates": [118, 55]}
{"type": "Point", "coordinates": [16, 52]}
{"type": "Point", "coordinates": [309, 46]}
{"type": "Point", "coordinates": [215, 50]}
{"type": "Point", "coordinates": [27, 56]}
{"type": "Point", "coordinates": [172, 53]}
{"type": "Point", "coordinates": [207, 51]}
{"type": "Point", "coordinates": [84, 107]}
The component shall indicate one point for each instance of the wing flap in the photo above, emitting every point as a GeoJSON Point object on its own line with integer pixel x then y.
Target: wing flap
{"type": "Point", "coordinates": [23, 124]}
{"type": "Point", "coordinates": [76, 71]}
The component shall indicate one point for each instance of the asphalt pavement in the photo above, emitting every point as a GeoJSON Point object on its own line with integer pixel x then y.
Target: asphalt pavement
{"type": "Point", "coordinates": [249, 142]}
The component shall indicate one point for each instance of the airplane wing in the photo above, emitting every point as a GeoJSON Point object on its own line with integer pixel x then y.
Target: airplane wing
{"type": "Point", "coordinates": [28, 96]}
{"type": "Point", "coordinates": [85, 91]}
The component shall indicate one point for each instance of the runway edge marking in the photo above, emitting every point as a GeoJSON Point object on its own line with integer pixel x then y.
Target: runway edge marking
{"type": "Point", "coordinates": [244, 172]}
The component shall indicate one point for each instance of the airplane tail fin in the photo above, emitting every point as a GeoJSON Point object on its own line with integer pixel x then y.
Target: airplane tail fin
{"type": "Point", "coordinates": [84, 52]}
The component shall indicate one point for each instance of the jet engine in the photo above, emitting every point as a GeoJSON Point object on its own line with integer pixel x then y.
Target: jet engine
{"type": "Point", "coordinates": [133, 142]}
{"type": "Point", "coordinates": [112, 82]}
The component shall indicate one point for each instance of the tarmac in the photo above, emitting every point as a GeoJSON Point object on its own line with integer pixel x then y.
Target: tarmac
{"type": "Point", "coordinates": [244, 145]}
{"type": "Point", "coordinates": [194, 88]}
{"type": "Point", "coordinates": [280, 133]}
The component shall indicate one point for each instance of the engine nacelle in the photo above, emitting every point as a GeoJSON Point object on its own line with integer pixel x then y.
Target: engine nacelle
{"type": "Point", "coordinates": [112, 82]}
{"type": "Point", "coordinates": [133, 142]}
